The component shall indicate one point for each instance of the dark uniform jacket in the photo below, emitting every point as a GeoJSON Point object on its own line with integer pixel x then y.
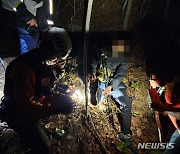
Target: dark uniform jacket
{"type": "Point", "coordinates": [42, 14]}
{"type": "Point", "coordinates": [27, 85]}
{"type": "Point", "coordinates": [116, 70]}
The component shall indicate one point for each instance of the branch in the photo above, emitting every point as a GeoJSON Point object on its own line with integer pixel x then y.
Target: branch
{"type": "Point", "coordinates": [96, 135]}
{"type": "Point", "coordinates": [128, 11]}
{"type": "Point", "coordinates": [159, 125]}
{"type": "Point", "coordinates": [124, 9]}
{"type": "Point", "coordinates": [64, 7]}
{"type": "Point", "coordinates": [58, 6]}
{"type": "Point", "coordinates": [145, 11]}
{"type": "Point", "coordinates": [141, 9]}
{"type": "Point", "coordinates": [166, 10]}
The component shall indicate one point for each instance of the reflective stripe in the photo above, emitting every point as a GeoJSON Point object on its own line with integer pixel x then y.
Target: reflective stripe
{"type": "Point", "coordinates": [10, 4]}
{"type": "Point", "coordinates": [32, 6]}
{"type": "Point", "coordinates": [17, 3]}
{"type": "Point", "coordinates": [39, 5]}
{"type": "Point", "coordinates": [102, 73]}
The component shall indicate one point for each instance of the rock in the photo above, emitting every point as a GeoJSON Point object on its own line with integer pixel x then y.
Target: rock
{"type": "Point", "coordinates": [69, 137]}
{"type": "Point", "coordinates": [139, 132]}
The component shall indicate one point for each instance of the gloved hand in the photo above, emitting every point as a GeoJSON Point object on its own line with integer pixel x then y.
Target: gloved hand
{"type": "Point", "coordinates": [61, 104]}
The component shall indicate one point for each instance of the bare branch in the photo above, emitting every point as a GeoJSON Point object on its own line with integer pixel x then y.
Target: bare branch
{"type": "Point", "coordinates": [96, 135]}
{"type": "Point", "coordinates": [166, 9]}
{"type": "Point", "coordinates": [124, 9]}
{"type": "Point", "coordinates": [126, 18]}
{"type": "Point", "coordinates": [145, 2]}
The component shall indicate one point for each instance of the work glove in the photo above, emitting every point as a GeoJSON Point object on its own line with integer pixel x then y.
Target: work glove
{"type": "Point", "coordinates": [61, 104]}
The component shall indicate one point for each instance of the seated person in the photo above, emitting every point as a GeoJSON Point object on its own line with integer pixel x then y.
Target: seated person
{"type": "Point", "coordinates": [105, 74]}
{"type": "Point", "coordinates": [31, 19]}
{"type": "Point", "coordinates": [28, 93]}
{"type": "Point", "coordinates": [163, 65]}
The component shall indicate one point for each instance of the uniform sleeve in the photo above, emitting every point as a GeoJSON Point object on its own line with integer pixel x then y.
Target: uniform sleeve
{"type": "Point", "coordinates": [23, 15]}
{"type": "Point", "coordinates": [93, 63]}
{"type": "Point", "coordinates": [174, 121]}
{"type": "Point", "coordinates": [23, 80]}
{"type": "Point", "coordinates": [120, 73]}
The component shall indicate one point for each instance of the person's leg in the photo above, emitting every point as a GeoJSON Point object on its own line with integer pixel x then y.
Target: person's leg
{"type": "Point", "coordinates": [174, 136]}
{"type": "Point", "coordinates": [175, 141]}
{"type": "Point", "coordinates": [34, 135]}
{"type": "Point", "coordinates": [93, 92]}
{"type": "Point", "coordinates": [176, 148]}
{"type": "Point", "coordinates": [124, 103]}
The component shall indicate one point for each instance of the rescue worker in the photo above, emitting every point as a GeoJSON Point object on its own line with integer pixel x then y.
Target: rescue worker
{"type": "Point", "coordinates": [29, 80]}
{"type": "Point", "coordinates": [9, 37]}
{"type": "Point", "coordinates": [31, 18]}
{"type": "Point", "coordinates": [37, 14]}
{"type": "Point", "coordinates": [165, 73]}
{"type": "Point", "coordinates": [32, 15]}
{"type": "Point", "coordinates": [172, 106]}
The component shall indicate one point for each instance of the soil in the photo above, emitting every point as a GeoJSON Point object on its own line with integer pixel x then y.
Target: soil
{"type": "Point", "coordinates": [74, 134]}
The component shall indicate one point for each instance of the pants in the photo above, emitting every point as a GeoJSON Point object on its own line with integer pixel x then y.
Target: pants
{"type": "Point", "coordinates": [34, 135]}
{"type": "Point", "coordinates": [123, 102]}
{"type": "Point", "coordinates": [175, 138]}
{"type": "Point", "coordinates": [31, 131]}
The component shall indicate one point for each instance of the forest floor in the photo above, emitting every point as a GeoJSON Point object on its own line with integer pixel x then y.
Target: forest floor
{"type": "Point", "coordinates": [77, 134]}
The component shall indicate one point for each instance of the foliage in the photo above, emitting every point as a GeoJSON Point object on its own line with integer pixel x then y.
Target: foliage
{"type": "Point", "coordinates": [137, 113]}
{"type": "Point", "coordinates": [10, 143]}
{"type": "Point", "coordinates": [70, 75]}
{"type": "Point", "coordinates": [156, 152]}
{"type": "Point", "coordinates": [123, 146]}
{"type": "Point", "coordinates": [135, 84]}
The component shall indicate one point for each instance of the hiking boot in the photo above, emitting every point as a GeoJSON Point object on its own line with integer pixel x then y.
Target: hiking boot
{"type": "Point", "coordinates": [128, 140]}
{"type": "Point", "coordinates": [93, 92]}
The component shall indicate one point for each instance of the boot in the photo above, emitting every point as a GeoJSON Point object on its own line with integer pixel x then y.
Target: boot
{"type": "Point", "coordinates": [126, 138]}
{"type": "Point", "coordinates": [93, 92]}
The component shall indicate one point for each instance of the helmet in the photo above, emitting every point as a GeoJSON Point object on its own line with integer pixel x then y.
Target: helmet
{"type": "Point", "coordinates": [57, 41]}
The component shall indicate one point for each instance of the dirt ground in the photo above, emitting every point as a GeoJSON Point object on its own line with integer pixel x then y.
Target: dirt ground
{"type": "Point", "coordinates": [74, 134]}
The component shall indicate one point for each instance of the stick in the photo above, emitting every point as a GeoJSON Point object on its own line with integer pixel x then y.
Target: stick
{"type": "Point", "coordinates": [158, 122]}
{"type": "Point", "coordinates": [1, 61]}
{"type": "Point", "coordinates": [96, 135]}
